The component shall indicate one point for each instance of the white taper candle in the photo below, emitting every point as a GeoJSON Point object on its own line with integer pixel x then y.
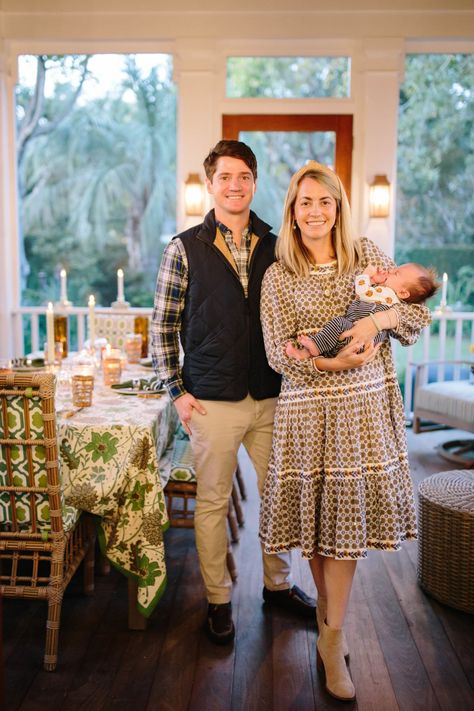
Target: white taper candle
{"type": "Point", "coordinates": [444, 290]}
{"type": "Point", "coordinates": [120, 292]}
{"type": "Point", "coordinates": [63, 275]}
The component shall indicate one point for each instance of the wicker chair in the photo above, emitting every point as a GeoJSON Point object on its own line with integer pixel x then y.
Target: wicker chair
{"type": "Point", "coordinates": [114, 328]}
{"type": "Point", "coordinates": [180, 494]}
{"type": "Point", "coordinates": [42, 541]}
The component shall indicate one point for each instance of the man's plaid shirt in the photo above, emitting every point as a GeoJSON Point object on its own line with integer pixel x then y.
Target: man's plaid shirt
{"type": "Point", "coordinates": [170, 295]}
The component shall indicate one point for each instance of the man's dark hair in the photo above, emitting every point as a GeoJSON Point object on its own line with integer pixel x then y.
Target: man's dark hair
{"type": "Point", "coordinates": [232, 149]}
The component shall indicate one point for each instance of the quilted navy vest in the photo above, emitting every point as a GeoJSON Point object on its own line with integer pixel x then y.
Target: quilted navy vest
{"type": "Point", "coordinates": [221, 332]}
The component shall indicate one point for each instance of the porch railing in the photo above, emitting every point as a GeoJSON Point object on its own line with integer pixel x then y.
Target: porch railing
{"type": "Point", "coordinates": [448, 338]}
{"type": "Point", "coordinates": [26, 324]}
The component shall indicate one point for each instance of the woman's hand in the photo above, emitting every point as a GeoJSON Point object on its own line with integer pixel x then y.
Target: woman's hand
{"type": "Point", "coordinates": [348, 357]}
{"type": "Point", "coordinates": [362, 332]}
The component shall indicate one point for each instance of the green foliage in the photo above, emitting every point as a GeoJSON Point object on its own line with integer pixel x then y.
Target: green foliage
{"type": "Point", "coordinates": [435, 186]}
{"type": "Point", "coordinates": [464, 292]}
{"type": "Point", "coordinates": [97, 175]}
{"type": "Point", "coordinates": [98, 189]}
{"type": "Point", "coordinates": [279, 155]}
{"type": "Point", "coordinates": [287, 77]}
{"type": "Point", "coordinates": [456, 260]}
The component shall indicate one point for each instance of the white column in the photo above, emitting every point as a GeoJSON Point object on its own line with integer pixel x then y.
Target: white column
{"type": "Point", "coordinates": [380, 66]}
{"type": "Point", "coordinates": [199, 126]}
{"type": "Point", "coordinates": [10, 342]}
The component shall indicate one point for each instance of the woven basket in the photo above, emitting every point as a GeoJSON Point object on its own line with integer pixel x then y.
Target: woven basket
{"type": "Point", "coordinates": [446, 540]}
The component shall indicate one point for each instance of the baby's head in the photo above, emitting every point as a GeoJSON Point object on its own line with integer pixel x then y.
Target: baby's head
{"type": "Point", "coordinates": [412, 283]}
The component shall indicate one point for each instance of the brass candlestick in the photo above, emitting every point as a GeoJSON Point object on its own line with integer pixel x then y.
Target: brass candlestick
{"type": "Point", "coordinates": [60, 332]}
{"type": "Point", "coordinates": [141, 327]}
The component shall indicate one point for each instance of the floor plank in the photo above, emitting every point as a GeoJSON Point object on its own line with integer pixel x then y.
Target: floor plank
{"type": "Point", "coordinates": [411, 684]}
{"type": "Point", "coordinates": [253, 671]}
{"type": "Point", "coordinates": [175, 668]}
{"type": "Point", "coordinates": [408, 652]}
{"type": "Point", "coordinates": [368, 666]}
{"type": "Point", "coordinates": [440, 660]}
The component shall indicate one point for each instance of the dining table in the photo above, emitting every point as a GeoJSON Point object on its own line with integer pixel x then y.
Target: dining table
{"type": "Point", "coordinates": [110, 457]}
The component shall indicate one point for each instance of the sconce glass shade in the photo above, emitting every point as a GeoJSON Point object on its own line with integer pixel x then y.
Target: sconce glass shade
{"type": "Point", "coordinates": [194, 195]}
{"type": "Point", "coordinates": [379, 197]}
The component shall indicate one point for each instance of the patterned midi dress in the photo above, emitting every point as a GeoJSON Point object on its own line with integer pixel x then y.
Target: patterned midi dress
{"type": "Point", "coordinates": [338, 481]}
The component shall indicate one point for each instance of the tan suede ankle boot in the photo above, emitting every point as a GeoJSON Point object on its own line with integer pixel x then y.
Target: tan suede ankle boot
{"type": "Point", "coordinates": [321, 610]}
{"type": "Point", "coordinates": [330, 659]}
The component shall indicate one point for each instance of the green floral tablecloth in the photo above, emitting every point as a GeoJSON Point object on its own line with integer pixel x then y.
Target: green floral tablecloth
{"type": "Point", "coordinates": [109, 459]}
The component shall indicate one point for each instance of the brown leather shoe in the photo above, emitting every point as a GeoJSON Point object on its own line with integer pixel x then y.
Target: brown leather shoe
{"type": "Point", "coordinates": [219, 625]}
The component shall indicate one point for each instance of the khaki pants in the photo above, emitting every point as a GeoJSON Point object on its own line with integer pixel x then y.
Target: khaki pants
{"type": "Point", "coordinates": [216, 438]}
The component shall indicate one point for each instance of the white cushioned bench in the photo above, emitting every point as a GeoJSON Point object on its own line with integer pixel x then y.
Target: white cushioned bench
{"type": "Point", "coordinates": [447, 402]}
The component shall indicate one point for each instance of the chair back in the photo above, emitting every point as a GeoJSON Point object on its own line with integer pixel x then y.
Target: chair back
{"type": "Point", "coordinates": [31, 504]}
{"type": "Point", "coordinates": [42, 541]}
{"type": "Point", "coordinates": [114, 327]}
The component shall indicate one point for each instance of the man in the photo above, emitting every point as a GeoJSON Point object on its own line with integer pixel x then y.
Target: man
{"type": "Point", "coordinates": [208, 294]}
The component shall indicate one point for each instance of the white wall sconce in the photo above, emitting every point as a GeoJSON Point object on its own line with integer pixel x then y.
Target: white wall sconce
{"type": "Point", "coordinates": [194, 195]}
{"type": "Point", "coordinates": [379, 197]}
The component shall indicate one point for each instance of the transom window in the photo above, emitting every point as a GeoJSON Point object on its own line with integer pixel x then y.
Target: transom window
{"type": "Point", "coordinates": [288, 77]}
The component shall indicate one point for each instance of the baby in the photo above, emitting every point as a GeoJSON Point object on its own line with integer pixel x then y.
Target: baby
{"type": "Point", "coordinates": [376, 290]}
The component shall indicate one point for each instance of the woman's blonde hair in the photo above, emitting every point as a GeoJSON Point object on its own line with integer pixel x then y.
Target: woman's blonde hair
{"type": "Point", "coordinates": [290, 248]}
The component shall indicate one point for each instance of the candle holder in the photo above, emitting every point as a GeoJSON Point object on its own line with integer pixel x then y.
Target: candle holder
{"type": "Point", "coordinates": [83, 369]}
{"type": "Point", "coordinates": [61, 333]}
{"type": "Point", "coordinates": [141, 327]}
{"type": "Point", "coordinates": [82, 389]}
{"type": "Point", "coordinates": [63, 387]}
{"type": "Point", "coordinates": [57, 355]}
{"type": "Point", "coordinates": [95, 350]}
{"type": "Point", "coordinates": [111, 366]}
{"type": "Point", "coordinates": [443, 308]}
{"type": "Point", "coordinates": [120, 304]}
{"type": "Point", "coordinates": [5, 365]}
{"type": "Point", "coordinates": [133, 347]}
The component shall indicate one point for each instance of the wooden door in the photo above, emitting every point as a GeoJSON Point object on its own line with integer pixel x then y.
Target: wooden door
{"type": "Point", "coordinates": [283, 143]}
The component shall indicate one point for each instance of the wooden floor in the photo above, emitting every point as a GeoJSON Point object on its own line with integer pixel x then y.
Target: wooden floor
{"type": "Point", "coordinates": [407, 651]}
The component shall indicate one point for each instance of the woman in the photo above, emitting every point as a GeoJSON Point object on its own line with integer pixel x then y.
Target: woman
{"type": "Point", "coordinates": [338, 480]}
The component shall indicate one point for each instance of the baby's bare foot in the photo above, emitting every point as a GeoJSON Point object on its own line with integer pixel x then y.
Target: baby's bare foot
{"type": "Point", "coordinates": [297, 353]}
{"type": "Point", "coordinates": [309, 344]}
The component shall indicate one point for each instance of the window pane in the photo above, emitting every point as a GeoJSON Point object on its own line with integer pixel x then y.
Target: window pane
{"type": "Point", "coordinates": [97, 173]}
{"type": "Point", "coordinates": [288, 77]}
{"type": "Point", "coordinates": [279, 155]}
{"type": "Point", "coordinates": [435, 185]}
